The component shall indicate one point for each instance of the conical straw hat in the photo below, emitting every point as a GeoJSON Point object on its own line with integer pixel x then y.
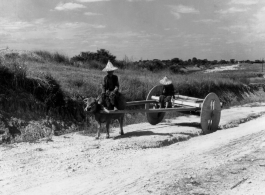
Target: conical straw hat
{"type": "Point", "coordinates": [165, 81]}
{"type": "Point", "coordinates": [109, 67]}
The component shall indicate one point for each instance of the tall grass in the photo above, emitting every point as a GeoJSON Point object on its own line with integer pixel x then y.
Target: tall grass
{"type": "Point", "coordinates": [256, 67]}
{"type": "Point", "coordinates": [20, 89]}
{"type": "Point", "coordinates": [53, 57]}
{"type": "Point", "coordinates": [135, 84]}
{"type": "Point", "coordinates": [53, 84]}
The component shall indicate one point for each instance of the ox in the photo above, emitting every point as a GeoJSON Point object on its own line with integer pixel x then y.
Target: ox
{"type": "Point", "coordinates": [95, 108]}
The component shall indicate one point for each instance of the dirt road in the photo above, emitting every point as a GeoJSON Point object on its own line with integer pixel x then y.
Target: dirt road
{"type": "Point", "coordinates": [169, 158]}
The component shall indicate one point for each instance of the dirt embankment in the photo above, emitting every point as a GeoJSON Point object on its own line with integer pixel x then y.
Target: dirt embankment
{"type": "Point", "coordinates": [146, 160]}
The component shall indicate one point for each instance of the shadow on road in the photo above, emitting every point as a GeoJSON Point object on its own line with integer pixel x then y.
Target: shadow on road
{"type": "Point", "coordinates": [148, 132]}
{"type": "Point", "coordinates": [140, 133]}
{"type": "Point", "coordinates": [194, 124]}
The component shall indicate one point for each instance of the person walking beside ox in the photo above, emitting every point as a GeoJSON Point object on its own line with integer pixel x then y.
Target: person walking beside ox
{"type": "Point", "coordinates": [167, 93]}
{"type": "Point", "coordinates": [110, 87]}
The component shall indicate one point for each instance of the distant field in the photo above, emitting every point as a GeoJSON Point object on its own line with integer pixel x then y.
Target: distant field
{"type": "Point", "coordinates": [256, 67]}
{"type": "Point", "coordinates": [258, 71]}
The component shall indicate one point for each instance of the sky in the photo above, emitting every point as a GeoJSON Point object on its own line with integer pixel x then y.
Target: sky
{"type": "Point", "coordinates": [138, 29]}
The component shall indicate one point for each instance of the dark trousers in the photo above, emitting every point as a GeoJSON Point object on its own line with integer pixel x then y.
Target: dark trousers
{"type": "Point", "coordinates": [109, 99]}
{"type": "Point", "coordinates": [163, 99]}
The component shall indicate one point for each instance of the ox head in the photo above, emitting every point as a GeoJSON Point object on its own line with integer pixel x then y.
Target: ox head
{"type": "Point", "coordinates": [92, 105]}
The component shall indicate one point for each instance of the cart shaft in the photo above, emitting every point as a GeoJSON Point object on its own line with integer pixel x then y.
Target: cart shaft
{"type": "Point", "coordinates": [182, 102]}
{"type": "Point", "coordinates": [151, 110]}
{"type": "Point", "coordinates": [136, 103]}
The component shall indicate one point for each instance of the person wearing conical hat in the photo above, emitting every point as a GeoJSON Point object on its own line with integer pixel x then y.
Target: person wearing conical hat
{"type": "Point", "coordinates": [167, 93]}
{"type": "Point", "coordinates": [110, 86]}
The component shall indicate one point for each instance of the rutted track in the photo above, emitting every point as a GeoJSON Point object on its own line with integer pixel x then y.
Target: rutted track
{"type": "Point", "coordinates": [147, 160]}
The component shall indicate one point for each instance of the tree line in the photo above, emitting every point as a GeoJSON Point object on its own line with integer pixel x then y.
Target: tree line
{"type": "Point", "coordinates": [99, 58]}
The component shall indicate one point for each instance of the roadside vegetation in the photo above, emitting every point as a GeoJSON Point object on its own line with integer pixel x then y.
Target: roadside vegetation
{"type": "Point", "coordinates": [50, 87]}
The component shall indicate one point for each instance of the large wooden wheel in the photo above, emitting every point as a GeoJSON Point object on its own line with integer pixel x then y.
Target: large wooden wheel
{"type": "Point", "coordinates": [210, 113]}
{"type": "Point", "coordinates": [154, 118]}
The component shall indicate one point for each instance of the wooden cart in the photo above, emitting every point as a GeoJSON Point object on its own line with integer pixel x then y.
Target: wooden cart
{"type": "Point", "coordinates": [209, 108]}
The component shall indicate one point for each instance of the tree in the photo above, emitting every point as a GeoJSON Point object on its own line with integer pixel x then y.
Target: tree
{"type": "Point", "coordinates": [194, 61]}
{"type": "Point", "coordinates": [214, 62]}
{"type": "Point", "coordinates": [175, 61]}
{"type": "Point", "coordinates": [101, 55]}
{"type": "Point", "coordinates": [204, 61]}
{"type": "Point", "coordinates": [104, 55]}
{"type": "Point", "coordinates": [176, 69]}
{"type": "Point", "coordinates": [258, 61]}
{"type": "Point", "coordinates": [232, 61]}
{"type": "Point", "coordinates": [222, 62]}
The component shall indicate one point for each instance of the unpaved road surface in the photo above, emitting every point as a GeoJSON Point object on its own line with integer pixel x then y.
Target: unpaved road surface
{"type": "Point", "coordinates": [169, 158]}
{"type": "Point", "coordinates": [223, 68]}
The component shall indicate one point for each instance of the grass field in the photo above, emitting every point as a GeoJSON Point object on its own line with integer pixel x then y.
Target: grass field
{"type": "Point", "coordinates": [75, 83]}
{"type": "Point", "coordinates": [135, 84]}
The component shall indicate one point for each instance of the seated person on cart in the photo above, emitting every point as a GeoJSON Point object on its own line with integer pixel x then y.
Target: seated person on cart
{"type": "Point", "coordinates": [110, 88]}
{"type": "Point", "coordinates": [165, 98]}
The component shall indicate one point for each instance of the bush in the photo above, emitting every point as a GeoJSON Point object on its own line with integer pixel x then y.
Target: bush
{"type": "Point", "coordinates": [11, 56]}
{"type": "Point", "coordinates": [16, 88]}
{"type": "Point", "coordinates": [120, 64]}
{"type": "Point", "coordinates": [22, 57]}
{"type": "Point", "coordinates": [53, 57]}
{"type": "Point", "coordinates": [153, 66]}
{"type": "Point", "coordinates": [60, 58]}
{"type": "Point", "coordinates": [176, 69]}
{"type": "Point", "coordinates": [94, 64]}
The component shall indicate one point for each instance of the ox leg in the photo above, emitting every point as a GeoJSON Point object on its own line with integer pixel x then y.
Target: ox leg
{"type": "Point", "coordinates": [98, 132]}
{"type": "Point", "coordinates": [107, 129]}
{"type": "Point", "coordinates": [121, 125]}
